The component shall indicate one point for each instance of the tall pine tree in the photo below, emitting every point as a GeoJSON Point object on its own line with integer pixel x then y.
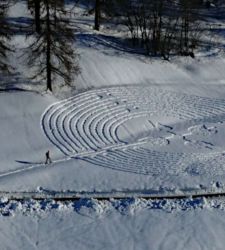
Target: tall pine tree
{"type": "Point", "coordinates": [4, 37]}
{"type": "Point", "coordinates": [51, 53]}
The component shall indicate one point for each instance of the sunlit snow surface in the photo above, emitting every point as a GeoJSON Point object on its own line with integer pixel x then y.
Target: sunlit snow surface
{"type": "Point", "coordinates": [141, 129]}
{"type": "Point", "coordinates": [147, 126]}
{"type": "Point", "coordinates": [116, 224]}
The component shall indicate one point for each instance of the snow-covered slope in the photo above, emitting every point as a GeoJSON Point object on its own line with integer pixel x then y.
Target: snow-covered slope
{"type": "Point", "coordinates": [133, 125]}
{"type": "Point", "coordinates": [146, 125]}
{"type": "Point", "coordinates": [21, 139]}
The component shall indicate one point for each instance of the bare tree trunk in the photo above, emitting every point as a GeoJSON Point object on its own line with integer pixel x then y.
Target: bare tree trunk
{"type": "Point", "coordinates": [37, 16]}
{"type": "Point", "coordinates": [48, 51]}
{"type": "Point", "coordinates": [160, 23]}
{"type": "Point", "coordinates": [154, 39]}
{"type": "Point", "coordinates": [186, 32]}
{"type": "Point", "coordinates": [97, 15]}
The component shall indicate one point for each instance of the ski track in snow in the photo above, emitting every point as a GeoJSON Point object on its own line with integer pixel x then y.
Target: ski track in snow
{"type": "Point", "coordinates": [86, 126]}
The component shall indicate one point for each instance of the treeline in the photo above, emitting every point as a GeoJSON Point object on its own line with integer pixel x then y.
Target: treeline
{"type": "Point", "coordinates": [51, 52]}
{"type": "Point", "coordinates": [161, 27]}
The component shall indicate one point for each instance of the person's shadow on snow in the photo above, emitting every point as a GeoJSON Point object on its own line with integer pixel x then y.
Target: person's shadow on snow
{"type": "Point", "coordinates": [28, 162]}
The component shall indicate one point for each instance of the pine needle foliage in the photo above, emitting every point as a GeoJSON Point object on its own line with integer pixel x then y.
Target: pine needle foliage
{"type": "Point", "coordinates": [5, 35]}
{"type": "Point", "coordinates": [51, 53]}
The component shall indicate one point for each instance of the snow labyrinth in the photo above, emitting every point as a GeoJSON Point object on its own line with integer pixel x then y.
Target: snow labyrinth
{"type": "Point", "coordinates": [87, 126]}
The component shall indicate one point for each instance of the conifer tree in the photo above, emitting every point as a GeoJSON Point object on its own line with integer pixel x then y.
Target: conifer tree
{"type": "Point", "coordinates": [51, 53]}
{"type": "Point", "coordinates": [4, 37]}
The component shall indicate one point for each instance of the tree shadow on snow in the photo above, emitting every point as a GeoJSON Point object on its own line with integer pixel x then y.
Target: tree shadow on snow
{"type": "Point", "coordinates": [100, 42]}
{"type": "Point", "coordinates": [14, 82]}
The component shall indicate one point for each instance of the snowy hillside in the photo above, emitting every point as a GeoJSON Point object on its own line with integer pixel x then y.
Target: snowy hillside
{"type": "Point", "coordinates": [160, 127]}
{"type": "Point", "coordinates": [130, 125]}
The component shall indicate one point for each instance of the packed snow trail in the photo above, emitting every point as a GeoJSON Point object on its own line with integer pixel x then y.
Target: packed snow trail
{"type": "Point", "coordinates": [88, 126]}
{"type": "Point", "coordinates": [29, 167]}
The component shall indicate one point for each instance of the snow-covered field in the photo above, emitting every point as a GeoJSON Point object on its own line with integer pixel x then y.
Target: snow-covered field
{"type": "Point", "coordinates": [132, 125]}
{"type": "Point", "coordinates": [127, 224]}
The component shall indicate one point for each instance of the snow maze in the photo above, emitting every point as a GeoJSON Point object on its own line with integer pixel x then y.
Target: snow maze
{"type": "Point", "coordinates": [122, 128]}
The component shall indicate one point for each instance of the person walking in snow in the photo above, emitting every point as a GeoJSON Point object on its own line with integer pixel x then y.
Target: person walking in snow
{"type": "Point", "coordinates": [47, 157]}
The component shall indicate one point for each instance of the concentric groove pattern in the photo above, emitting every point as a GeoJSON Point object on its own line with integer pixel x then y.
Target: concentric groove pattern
{"type": "Point", "coordinates": [87, 124]}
